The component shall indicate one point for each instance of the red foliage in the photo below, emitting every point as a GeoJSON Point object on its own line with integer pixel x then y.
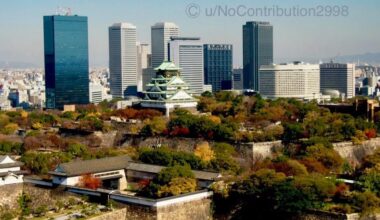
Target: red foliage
{"type": "Point", "coordinates": [370, 133]}
{"type": "Point", "coordinates": [131, 113]}
{"type": "Point", "coordinates": [180, 131]}
{"type": "Point", "coordinates": [89, 181]}
{"type": "Point", "coordinates": [143, 183]}
{"type": "Point", "coordinates": [341, 189]}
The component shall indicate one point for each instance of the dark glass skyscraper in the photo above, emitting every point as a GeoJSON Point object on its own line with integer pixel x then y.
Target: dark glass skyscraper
{"type": "Point", "coordinates": [218, 66]}
{"type": "Point", "coordinates": [66, 60]}
{"type": "Point", "coordinates": [257, 51]}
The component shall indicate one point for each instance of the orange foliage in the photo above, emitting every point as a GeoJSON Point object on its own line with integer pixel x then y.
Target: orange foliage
{"type": "Point", "coordinates": [89, 181]}
{"type": "Point", "coordinates": [314, 166]}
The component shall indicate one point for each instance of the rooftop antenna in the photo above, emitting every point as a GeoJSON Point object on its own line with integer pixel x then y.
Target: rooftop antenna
{"type": "Point", "coordinates": [63, 11]}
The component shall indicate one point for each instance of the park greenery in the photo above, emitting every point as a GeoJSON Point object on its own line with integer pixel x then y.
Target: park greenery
{"type": "Point", "coordinates": [303, 175]}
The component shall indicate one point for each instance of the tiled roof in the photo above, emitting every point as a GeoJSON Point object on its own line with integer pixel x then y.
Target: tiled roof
{"type": "Point", "coordinates": [77, 168]}
{"type": "Point", "coordinates": [148, 168]}
{"type": "Point", "coordinates": [167, 65]}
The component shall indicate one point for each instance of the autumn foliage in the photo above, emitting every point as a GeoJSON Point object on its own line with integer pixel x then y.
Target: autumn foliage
{"type": "Point", "coordinates": [89, 181]}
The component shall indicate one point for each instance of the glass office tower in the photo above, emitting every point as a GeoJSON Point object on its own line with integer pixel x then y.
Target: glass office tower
{"type": "Point", "coordinates": [257, 51]}
{"type": "Point", "coordinates": [218, 66]}
{"type": "Point", "coordinates": [66, 60]}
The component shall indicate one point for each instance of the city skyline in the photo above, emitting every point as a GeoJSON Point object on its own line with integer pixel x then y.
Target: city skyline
{"type": "Point", "coordinates": [294, 37]}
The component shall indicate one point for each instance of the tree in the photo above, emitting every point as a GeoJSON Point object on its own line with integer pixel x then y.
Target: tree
{"type": "Point", "coordinates": [77, 150]}
{"type": "Point", "coordinates": [328, 157]}
{"type": "Point", "coordinates": [370, 180]}
{"type": "Point", "coordinates": [89, 181]}
{"type": "Point", "coordinates": [367, 202]}
{"type": "Point", "coordinates": [10, 128]}
{"type": "Point", "coordinates": [292, 132]}
{"type": "Point", "coordinates": [170, 181]}
{"type": "Point", "coordinates": [177, 186]}
{"type": "Point", "coordinates": [204, 152]}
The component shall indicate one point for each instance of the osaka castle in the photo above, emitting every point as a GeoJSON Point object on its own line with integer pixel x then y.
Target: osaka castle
{"type": "Point", "coordinates": [168, 90]}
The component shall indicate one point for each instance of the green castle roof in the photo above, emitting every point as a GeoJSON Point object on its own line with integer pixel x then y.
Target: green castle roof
{"type": "Point", "coordinates": [167, 65]}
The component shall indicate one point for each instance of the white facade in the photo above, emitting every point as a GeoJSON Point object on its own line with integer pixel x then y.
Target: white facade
{"type": "Point", "coordinates": [143, 62]}
{"type": "Point", "coordinates": [187, 54]}
{"type": "Point", "coordinates": [160, 35]}
{"type": "Point", "coordinates": [75, 180]}
{"type": "Point", "coordinates": [10, 172]}
{"type": "Point", "coordinates": [341, 77]}
{"type": "Point", "coordinates": [123, 60]}
{"type": "Point", "coordinates": [296, 80]}
{"type": "Point", "coordinates": [96, 93]}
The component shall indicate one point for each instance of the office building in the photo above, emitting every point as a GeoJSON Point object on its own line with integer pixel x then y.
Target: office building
{"type": "Point", "coordinates": [161, 33]}
{"type": "Point", "coordinates": [122, 60]}
{"type": "Point", "coordinates": [295, 80]}
{"type": "Point", "coordinates": [96, 93]}
{"type": "Point", "coordinates": [237, 77]}
{"type": "Point", "coordinates": [218, 66]}
{"type": "Point", "coordinates": [187, 54]}
{"type": "Point", "coordinates": [340, 77]}
{"type": "Point", "coordinates": [66, 60]}
{"type": "Point", "coordinates": [143, 62]}
{"type": "Point", "coordinates": [257, 51]}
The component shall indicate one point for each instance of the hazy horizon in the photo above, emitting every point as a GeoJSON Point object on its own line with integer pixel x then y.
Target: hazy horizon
{"type": "Point", "coordinates": [308, 38]}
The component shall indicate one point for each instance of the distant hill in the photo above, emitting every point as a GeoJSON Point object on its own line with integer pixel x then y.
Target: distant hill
{"type": "Point", "coordinates": [21, 65]}
{"type": "Point", "coordinates": [370, 58]}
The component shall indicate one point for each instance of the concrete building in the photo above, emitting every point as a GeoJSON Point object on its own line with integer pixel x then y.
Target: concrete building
{"type": "Point", "coordinates": [257, 51]}
{"type": "Point", "coordinates": [336, 76]}
{"type": "Point", "coordinates": [187, 54]}
{"type": "Point", "coordinates": [122, 60]}
{"type": "Point", "coordinates": [96, 93]}
{"type": "Point", "coordinates": [66, 60]}
{"type": "Point", "coordinates": [237, 79]}
{"type": "Point", "coordinates": [161, 33]}
{"type": "Point", "coordinates": [143, 62]}
{"type": "Point", "coordinates": [295, 80]}
{"type": "Point", "coordinates": [110, 170]}
{"type": "Point", "coordinates": [218, 66]}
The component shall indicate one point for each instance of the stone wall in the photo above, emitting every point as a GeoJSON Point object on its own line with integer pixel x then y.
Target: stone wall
{"type": "Point", "coordinates": [45, 196]}
{"type": "Point", "coordinates": [355, 153]}
{"type": "Point", "coordinates": [9, 195]}
{"type": "Point", "coordinates": [177, 143]}
{"type": "Point", "coordinates": [200, 210]}
{"type": "Point", "coordinates": [114, 215]}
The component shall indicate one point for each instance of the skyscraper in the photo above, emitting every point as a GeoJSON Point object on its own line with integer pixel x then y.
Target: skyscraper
{"type": "Point", "coordinates": [122, 59]}
{"type": "Point", "coordinates": [257, 51]}
{"type": "Point", "coordinates": [218, 66]}
{"type": "Point", "coordinates": [143, 62]}
{"type": "Point", "coordinates": [161, 34]}
{"type": "Point", "coordinates": [187, 54]}
{"type": "Point", "coordinates": [66, 60]}
{"type": "Point", "coordinates": [336, 76]}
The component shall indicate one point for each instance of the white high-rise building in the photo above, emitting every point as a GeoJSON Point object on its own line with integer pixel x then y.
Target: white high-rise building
{"type": "Point", "coordinates": [295, 80]}
{"type": "Point", "coordinates": [143, 62]}
{"type": "Point", "coordinates": [187, 54]}
{"type": "Point", "coordinates": [123, 60]}
{"type": "Point", "coordinates": [161, 33]}
{"type": "Point", "coordinates": [96, 93]}
{"type": "Point", "coordinates": [340, 77]}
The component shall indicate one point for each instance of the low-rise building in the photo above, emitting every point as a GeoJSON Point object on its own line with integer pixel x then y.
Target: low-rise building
{"type": "Point", "coordinates": [110, 170]}
{"type": "Point", "coordinates": [10, 171]}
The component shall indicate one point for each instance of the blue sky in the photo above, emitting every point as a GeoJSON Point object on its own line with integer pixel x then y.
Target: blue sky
{"type": "Point", "coordinates": [302, 38]}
